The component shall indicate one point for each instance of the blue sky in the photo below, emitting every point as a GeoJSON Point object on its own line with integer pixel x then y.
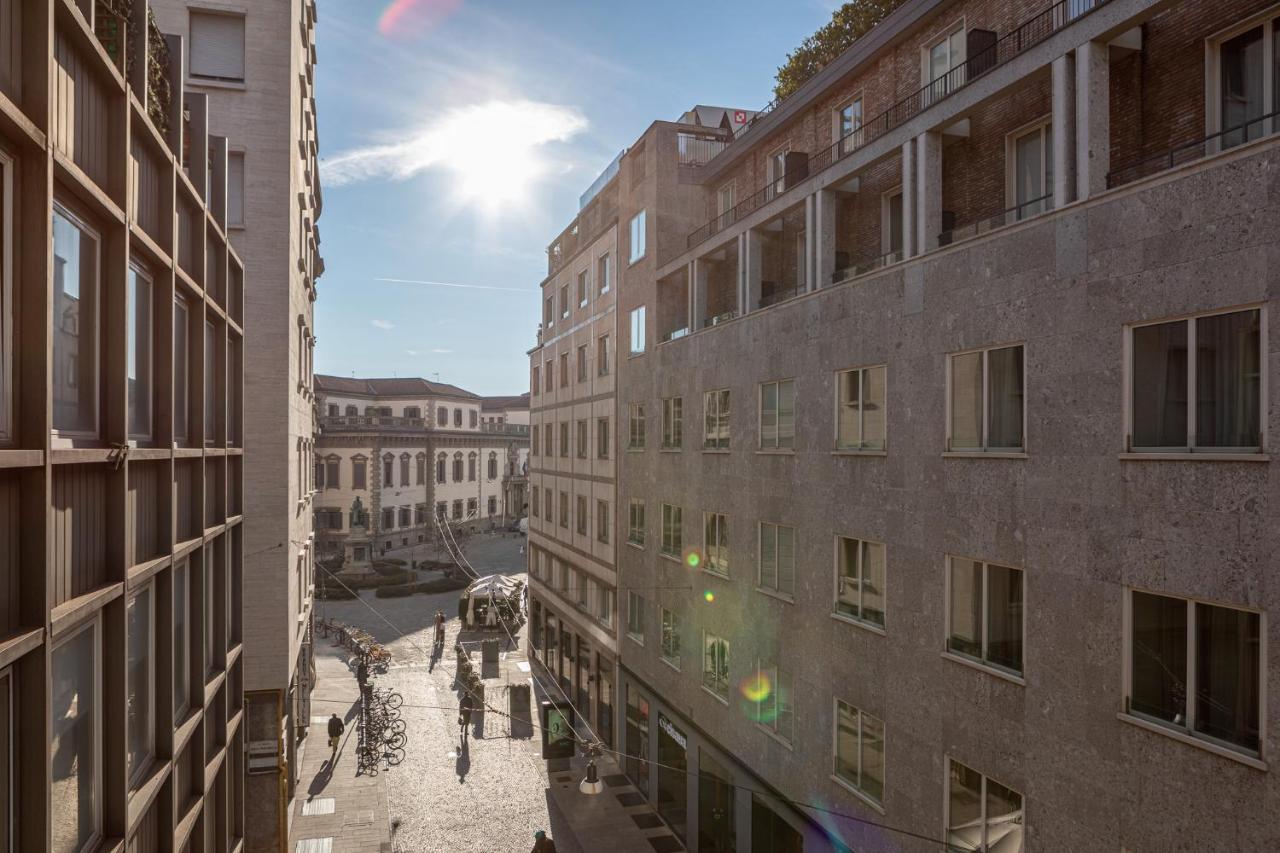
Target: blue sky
{"type": "Point", "coordinates": [455, 140]}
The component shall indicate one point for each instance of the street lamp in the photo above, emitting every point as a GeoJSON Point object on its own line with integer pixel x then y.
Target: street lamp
{"type": "Point", "coordinates": [592, 784]}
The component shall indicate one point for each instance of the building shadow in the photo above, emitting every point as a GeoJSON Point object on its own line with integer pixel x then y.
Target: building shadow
{"type": "Point", "coordinates": [559, 829]}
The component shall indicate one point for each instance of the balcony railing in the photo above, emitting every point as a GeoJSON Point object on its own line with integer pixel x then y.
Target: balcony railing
{"type": "Point", "coordinates": [866, 265]}
{"type": "Point", "coordinates": [1017, 213]}
{"type": "Point", "coordinates": [675, 334]}
{"type": "Point", "coordinates": [371, 422]}
{"type": "Point", "coordinates": [506, 429]}
{"type": "Point", "coordinates": [748, 205]}
{"type": "Point", "coordinates": [1189, 152]}
{"type": "Point", "coordinates": [779, 295]}
{"type": "Point", "coordinates": [695, 149]}
{"type": "Point", "coordinates": [1029, 34]}
{"type": "Point", "coordinates": [719, 318]}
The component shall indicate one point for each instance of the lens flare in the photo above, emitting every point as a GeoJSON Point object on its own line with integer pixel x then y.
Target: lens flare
{"type": "Point", "coordinates": [692, 559]}
{"type": "Point", "coordinates": [708, 596]}
{"type": "Point", "coordinates": [406, 18]}
{"type": "Point", "coordinates": [756, 688]}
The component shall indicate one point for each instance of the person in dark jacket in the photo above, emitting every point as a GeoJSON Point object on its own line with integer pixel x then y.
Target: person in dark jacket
{"type": "Point", "coordinates": [542, 844]}
{"type": "Point", "coordinates": [465, 706]}
{"type": "Point", "coordinates": [336, 728]}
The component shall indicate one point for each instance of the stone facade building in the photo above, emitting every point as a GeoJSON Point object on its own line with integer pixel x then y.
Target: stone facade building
{"type": "Point", "coordinates": [393, 451]}
{"type": "Point", "coordinates": [122, 646]}
{"type": "Point", "coordinates": [255, 62]}
{"type": "Point", "coordinates": [953, 514]}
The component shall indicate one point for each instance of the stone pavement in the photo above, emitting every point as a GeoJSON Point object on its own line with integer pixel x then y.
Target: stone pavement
{"type": "Point", "coordinates": [490, 791]}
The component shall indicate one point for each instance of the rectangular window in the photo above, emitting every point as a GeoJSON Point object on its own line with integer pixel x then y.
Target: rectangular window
{"type": "Point", "coordinates": [860, 580]}
{"type": "Point", "coordinates": [358, 473]}
{"type": "Point", "coordinates": [724, 201]}
{"type": "Point", "coordinates": [75, 325]}
{"type": "Point", "coordinates": [672, 422]}
{"type": "Point", "coordinates": [602, 355]}
{"type": "Point", "coordinates": [982, 814]}
{"type": "Point", "coordinates": [635, 617]}
{"type": "Point", "coordinates": [670, 650]}
{"type": "Point", "coordinates": [776, 170]}
{"type": "Point", "coordinates": [604, 273]}
{"type": "Point", "coordinates": [604, 606]}
{"type": "Point", "coordinates": [984, 613]}
{"type": "Point", "coordinates": [564, 440]}
{"type": "Point", "coordinates": [602, 438]}
{"type": "Point", "coordinates": [551, 376]}
{"type": "Point", "coordinates": [7, 229]}
{"type": "Point", "coordinates": [235, 189]}
{"type": "Point", "coordinates": [635, 427]}
{"type": "Point", "coordinates": [672, 530]}
{"type": "Point", "coordinates": [944, 56]}
{"type": "Point", "coordinates": [860, 408]}
{"type": "Point", "coordinates": [217, 46]}
{"type": "Point", "coordinates": [637, 330]}
{"type": "Point", "coordinates": [859, 751]}
{"type": "Point", "coordinates": [140, 673]}
{"type": "Point", "coordinates": [138, 346]}
{"type": "Point", "coordinates": [582, 515]}
{"type": "Point", "coordinates": [602, 521]}
{"type": "Point", "coordinates": [533, 505]}
{"type": "Point", "coordinates": [1196, 668]}
{"type": "Point", "coordinates": [473, 507]}
{"type": "Point", "coordinates": [533, 379]}
{"type": "Point", "coordinates": [564, 510]}
{"type": "Point", "coordinates": [715, 664]}
{"type": "Point", "coordinates": [582, 363]}
{"type": "Point", "coordinates": [715, 543]}
{"type": "Point", "coordinates": [985, 400]}
{"type": "Point", "coordinates": [76, 727]}
{"type": "Point", "coordinates": [1031, 156]}
{"type": "Point", "coordinates": [210, 382]}
{"type": "Point", "coordinates": [582, 440]}
{"type": "Point", "coordinates": [777, 558]}
{"type": "Point", "coordinates": [564, 370]}
{"type": "Point", "coordinates": [1210, 403]}
{"type": "Point", "coordinates": [457, 510]}
{"type": "Point", "coordinates": [774, 710]}
{"type": "Point", "coordinates": [778, 415]}
{"type": "Point", "coordinates": [637, 236]}
{"type": "Point", "coordinates": [1241, 70]}
{"type": "Point", "coordinates": [547, 505]}
{"type": "Point", "coordinates": [181, 640]}
{"type": "Point", "coordinates": [550, 438]}
{"type": "Point", "coordinates": [565, 308]}
{"type": "Point", "coordinates": [635, 522]}
{"type": "Point", "coordinates": [848, 121]}
{"type": "Point", "coordinates": [584, 288]}
{"type": "Point", "coordinates": [534, 448]}
{"type": "Point", "coordinates": [715, 420]}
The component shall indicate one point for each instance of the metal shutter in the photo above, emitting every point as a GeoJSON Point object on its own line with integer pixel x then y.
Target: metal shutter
{"type": "Point", "coordinates": [235, 189]}
{"type": "Point", "coordinates": [217, 46]}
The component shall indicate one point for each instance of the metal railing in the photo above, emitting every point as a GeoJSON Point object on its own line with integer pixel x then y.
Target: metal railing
{"type": "Point", "coordinates": [1188, 152]}
{"type": "Point", "coordinates": [675, 334]}
{"type": "Point", "coordinates": [1018, 213]}
{"type": "Point", "coordinates": [748, 205]}
{"type": "Point", "coordinates": [724, 317]}
{"type": "Point", "coordinates": [365, 421]}
{"type": "Point", "coordinates": [505, 429]}
{"type": "Point", "coordinates": [779, 294]}
{"type": "Point", "coordinates": [865, 265]}
{"type": "Point", "coordinates": [696, 149]}
{"type": "Point", "coordinates": [1014, 43]}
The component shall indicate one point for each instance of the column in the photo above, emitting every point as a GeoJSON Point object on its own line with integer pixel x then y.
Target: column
{"type": "Point", "coordinates": [824, 238]}
{"type": "Point", "coordinates": [928, 190]}
{"type": "Point", "coordinates": [908, 198]}
{"type": "Point", "coordinates": [742, 274]}
{"type": "Point", "coordinates": [810, 226]}
{"type": "Point", "coordinates": [697, 294]}
{"type": "Point", "coordinates": [1093, 119]}
{"type": "Point", "coordinates": [1063, 130]}
{"type": "Point", "coordinates": [753, 255]}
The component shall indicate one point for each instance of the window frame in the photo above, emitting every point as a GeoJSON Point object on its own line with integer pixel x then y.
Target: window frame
{"type": "Point", "coordinates": [638, 331]}
{"type": "Point", "coordinates": [80, 222]}
{"type": "Point", "coordinates": [777, 446]}
{"type": "Point", "coordinates": [720, 522]}
{"type": "Point", "coordinates": [584, 287]}
{"type": "Point", "coordinates": [1128, 384]}
{"type": "Point", "coordinates": [837, 122]}
{"type": "Point", "coordinates": [856, 786]}
{"type": "Point", "coordinates": [205, 79]}
{"type": "Point", "coordinates": [720, 400]}
{"type": "Point", "coordinates": [670, 629]}
{"type": "Point", "coordinates": [635, 614]}
{"type": "Point", "coordinates": [140, 271]}
{"type": "Point", "coordinates": [985, 448]}
{"type": "Point", "coordinates": [863, 445]}
{"type": "Point", "coordinates": [1036, 206]}
{"type": "Point", "coordinates": [676, 525]}
{"type": "Point", "coordinates": [638, 237]}
{"type": "Point", "coordinates": [93, 624]}
{"type": "Point", "coordinates": [604, 270]}
{"type": "Point", "coordinates": [1267, 20]}
{"type": "Point", "coordinates": [672, 423]}
{"type": "Point", "coordinates": [778, 697]}
{"type": "Point", "coordinates": [983, 846]}
{"type": "Point", "coordinates": [602, 438]}
{"type": "Point", "coordinates": [776, 590]}
{"type": "Point", "coordinates": [716, 681]}
{"type": "Point", "coordinates": [632, 527]}
{"type": "Point", "coordinates": [602, 355]}
{"type": "Point", "coordinates": [926, 81]}
{"type": "Point", "coordinates": [8, 225]}
{"type": "Point", "coordinates": [636, 426]}
{"type": "Point", "coordinates": [837, 575]}
{"type": "Point", "coordinates": [982, 662]}
{"type": "Point", "coordinates": [136, 774]}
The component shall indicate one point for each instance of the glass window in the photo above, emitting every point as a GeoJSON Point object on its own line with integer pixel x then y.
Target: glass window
{"type": "Point", "coordinates": [777, 558]}
{"type": "Point", "coordinates": [582, 363]}
{"type": "Point", "coordinates": [848, 123]}
{"type": "Point", "coordinates": [635, 617]}
{"type": "Point", "coordinates": [210, 382]}
{"type": "Point", "coordinates": [602, 438]}
{"type": "Point", "coordinates": [1223, 661]}
{"type": "Point", "coordinates": [773, 701]}
{"type": "Point", "coordinates": [140, 666]}
{"type": "Point", "coordinates": [859, 750]}
{"type": "Point", "coordinates": [584, 288]}
{"type": "Point", "coordinates": [672, 422]}
{"type": "Point", "coordinates": [565, 307]}
{"type": "Point", "coordinates": [635, 522]}
{"type": "Point", "coordinates": [985, 613]}
{"type": "Point", "coordinates": [75, 793]}
{"type": "Point", "coordinates": [181, 641]}
{"type": "Point", "coordinates": [860, 580]}
{"type": "Point", "coordinates": [7, 228]}
{"type": "Point", "coordinates": [944, 56]}
{"type": "Point", "coordinates": [982, 814]}
{"type": "Point", "coordinates": [860, 408]}
{"type": "Point", "coordinates": [235, 188]}
{"type": "Point", "coordinates": [604, 273]}
{"type": "Point", "coordinates": [635, 430]}
{"type": "Point", "coordinates": [715, 664]}
{"type": "Point", "coordinates": [138, 332]}
{"type": "Point", "coordinates": [637, 331]}
{"type": "Point", "coordinates": [564, 510]}
{"type": "Point", "coordinates": [1213, 403]}
{"type": "Point", "coordinates": [715, 419]}
{"type": "Point", "coordinates": [1032, 158]}
{"type": "Point", "coordinates": [1241, 103]}
{"type": "Point", "coordinates": [404, 469]}
{"type": "Point", "coordinates": [217, 46]}
{"type": "Point", "coordinates": [582, 439]}
{"type": "Point", "coordinates": [359, 471]}
{"type": "Point", "coordinates": [637, 236]}
{"type": "Point", "coordinates": [75, 329]}
{"type": "Point", "coordinates": [670, 650]}
{"type": "Point", "coordinates": [602, 521]}
{"type": "Point", "coordinates": [987, 390]}
{"type": "Point", "coordinates": [582, 515]}
{"type": "Point", "coordinates": [715, 542]}
{"type": "Point", "coordinates": [602, 355]}
{"type": "Point", "coordinates": [778, 414]}
{"type": "Point", "coordinates": [672, 530]}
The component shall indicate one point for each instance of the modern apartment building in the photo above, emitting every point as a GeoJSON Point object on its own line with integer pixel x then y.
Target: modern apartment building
{"type": "Point", "coordinates": [390, 449]}
{"type": "Point", "coordinates": [121, 653]}
{"type": "Point", "coordinates": [949, 498]}
{"type": "Point", "coordinates": [255, 63]}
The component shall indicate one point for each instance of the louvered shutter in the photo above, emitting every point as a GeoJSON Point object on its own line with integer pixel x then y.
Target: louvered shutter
{"type": "Point", "coordinates": [217, 46]}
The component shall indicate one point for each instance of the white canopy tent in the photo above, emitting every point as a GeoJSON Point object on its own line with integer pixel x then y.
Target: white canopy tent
{"type": "Point", "coordinates": [490, 592]}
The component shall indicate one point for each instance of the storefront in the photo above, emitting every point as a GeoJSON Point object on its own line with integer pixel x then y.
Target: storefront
{"type": "Point", "coordinates": [637, 761]}
{"type": "Point", "coordinates": [582, 678]}
{"type": "Point", "coordinates": [673, 776]}
{"type": "Point", "coordinates": [715, 806]}
{"type": "Point", "coordinates": [604, 698]}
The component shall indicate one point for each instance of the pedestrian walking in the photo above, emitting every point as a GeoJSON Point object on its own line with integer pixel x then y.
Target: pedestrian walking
{"type": "Point", "coordinates": [542, 844]}
{"type": "Point", "coordinates": [336, 728]}
{"type": "Point", "coordinates": [465, 706]}
{"type": "Point", "coordinates": [440, 629]}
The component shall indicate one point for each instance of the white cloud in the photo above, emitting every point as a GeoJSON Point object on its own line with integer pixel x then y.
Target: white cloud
{"type": "Point", "coordinates": [442, 351]}
{"type": "Point", "coordinates": [471, 137]}
{"type": "Point", "coordinates": [382, 324]}
{"type": "Point", "coordinates": [411, 352]}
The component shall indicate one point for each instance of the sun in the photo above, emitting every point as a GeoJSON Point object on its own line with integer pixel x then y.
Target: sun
{"type": "Point", "coordinates": [491, 149]}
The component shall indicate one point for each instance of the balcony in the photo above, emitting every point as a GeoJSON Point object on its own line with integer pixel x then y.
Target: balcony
{"type": "Point", "coordinates": [506, 429]}
{"type": "Point", "coordinates": [363, 423]}
{"type": "Point", "coordinates": [697, 149]}
{"type": "Point", "coordinates": [1238, 134]}
{"type": "Point", "coordinates": [1017, 213]}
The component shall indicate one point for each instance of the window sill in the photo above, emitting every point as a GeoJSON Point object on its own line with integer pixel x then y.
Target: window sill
{"type": "Point", "coordinates": [982, 667]}
{"type": "Point", "coordinates": [201, 82]}
{"type": "Point", "coordinates": [851, 452]}
{"type": "Point", "coordinates": [985, 454]}
{"type": "Point", "coordinates": [777, 737]}
{"type": "Point", "coordinates": [724, 576]}
{"type": "Point", "coordinates": [635, 355]}
{"type": "Point", "coordinates": [1201, 456]}
{"type": "Point", "coordinates": [1192, 740]}
{"type": "Point", "coordinates": [639, 641]}
{"type": "Point", "coordinates": [861, 796]}
{"type": "Point", "coordinates": [675, 558]}
{"type": "Point", "coordinates": [714, 695]}
{"type": "Point", "coordinates": [775, 451]}
{"type": "Point", "coordinates": [858, 623]}
{"type": "Point", "coordinates": [773, 593]}
{"type": "Point", "coordinates": [716, 451]}
{"type": "Point", "coordinates": [635, 450]}
{"type": "Point", "coordinates": [665, 449]}
{"type": "Point", "coordinates": [639, 546]}
{"type": "Point", "coordinates": [675, 665]}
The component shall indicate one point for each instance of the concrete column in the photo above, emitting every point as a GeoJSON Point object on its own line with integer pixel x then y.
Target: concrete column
{"type": "Point", "coordinates": [928, 190]}
{"type": "Point", "coordinates": [908, 198]}
{"type": "Point", "coordinates": [1093, 118]}
{"type": "Point", "coordinates": [824, 238]}
{"type": "Point", "coordinates": [810, 228]}
{"type": "Point", "coordinates": [1064, 130]}
{"type": "Point", "coordinates": [753, 255]}
{"type": "Point", "coordinates": [697, 294]}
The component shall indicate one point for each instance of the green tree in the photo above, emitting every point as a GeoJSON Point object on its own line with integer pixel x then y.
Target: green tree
{"type": "Point", "coordinates": [846, 26]}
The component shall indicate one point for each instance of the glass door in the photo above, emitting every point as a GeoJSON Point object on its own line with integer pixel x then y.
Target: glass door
{"type": "Point", "coordinates": [1033, 173]}
{"type": "Point", "coordinates": [715, 806]}
{"type": "Point", "coordinates": [1240, 88]}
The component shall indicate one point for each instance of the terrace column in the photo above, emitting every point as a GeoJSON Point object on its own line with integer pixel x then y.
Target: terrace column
{"type": "Point", "coordinates": [810, 241]}
{"type": "Point", "coordinates": [824, 238]}
{"type": "Point", "coordinates": [908, 198]}
{"type": "Point", "coordinates": [697, 294]}
{"type": "Point", "coordinates": [1063, 130]}
{"type": "Point", "coordinates": [928, 190]}
{"type": "Point", "coordinates": [1093, 118]}
{"type": "Point", "coordinates": [752, 256]}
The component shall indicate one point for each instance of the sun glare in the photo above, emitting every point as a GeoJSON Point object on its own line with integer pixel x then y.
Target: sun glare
{"type": "Point", "coordinates": [491, 149]}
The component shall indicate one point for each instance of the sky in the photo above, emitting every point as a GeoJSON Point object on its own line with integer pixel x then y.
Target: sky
{"type": "Point", "coordinates": [456, 137]}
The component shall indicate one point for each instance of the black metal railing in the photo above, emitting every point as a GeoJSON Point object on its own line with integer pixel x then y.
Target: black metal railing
{"type": "Point", "coordinates": [1019, 212]}
{"type": "Point", "coordinates": [697, 149]}
{"type": "Point", "coordinates": [748, 205]}
{"type": "Point", "coordinates": [1188, 152]}
{"type": "Point", "coordinates": [1027, 35]}
{"type": "Point", "coordinates": [780, 294]}
{"type": "Point", "coordinates": [865, 265]}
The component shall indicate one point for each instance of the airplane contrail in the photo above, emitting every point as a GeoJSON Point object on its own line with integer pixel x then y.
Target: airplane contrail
{"type": "Point", "coordinates": [455, 284]}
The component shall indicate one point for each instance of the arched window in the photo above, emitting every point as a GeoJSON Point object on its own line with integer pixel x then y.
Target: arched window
{"type": "Point", "coordinates": [421, 472]}
{"type": "Point", "coordinates": [471, 467]}
{"type": "Point", "coordinates": [442, 416]}
{"type": "Point", "coordinates": [388, 470]}
{"type": "Point", "coordinates": [440, 465]}
{"type": "Point", "coordinates": [493, 465]}
{"type": "Point", "coordinates": [412, 412]}
{"type": "Point", "coordinates": [404, 469]}
{"type": "Point", "coordinates": [457, 467]}
{"type": "Point", "coordinates": [457, 417]}
{"type": "Point", "coordinates": [352, 411]}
